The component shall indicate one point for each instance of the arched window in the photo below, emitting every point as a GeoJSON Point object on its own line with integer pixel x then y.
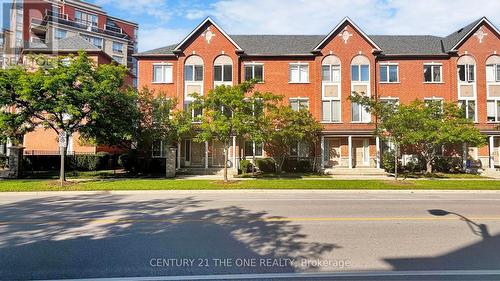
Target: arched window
{"type": "Point", "coordinates": [466, 68]}
{"type": "Point", "coordinates": [193, 83]}
{"type": "Point", "coordinates": [193, 69]}
{"type": "Point", "coordinates": [493, 87]}
{"type": "Point", "coordinates": [360, 83]}
{"type": "Point", "coordinates": [223, 70]}
{"type": "Point", "coordinates": [331, 85]}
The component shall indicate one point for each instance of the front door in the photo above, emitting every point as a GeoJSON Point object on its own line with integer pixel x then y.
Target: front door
{"type": "Point", "coordinates": [361, 152]}
{"type": "Point", "coordinates": [217, 154]}
{"type": "Point", "coordinates": [333, 151]}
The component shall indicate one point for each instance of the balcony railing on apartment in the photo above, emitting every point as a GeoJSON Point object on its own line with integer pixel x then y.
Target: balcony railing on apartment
{"type": "Point", "coordinates": [63, 19]}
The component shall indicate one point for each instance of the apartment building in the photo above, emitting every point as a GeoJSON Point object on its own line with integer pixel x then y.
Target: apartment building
{"type": "Point", "coordinates": [63, 27]}
{"type": "Point", "coordinates": [320, 72]}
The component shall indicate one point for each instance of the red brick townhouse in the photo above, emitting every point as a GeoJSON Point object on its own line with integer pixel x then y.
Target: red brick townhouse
{"type": "Point", "coordinates": [320, 72]}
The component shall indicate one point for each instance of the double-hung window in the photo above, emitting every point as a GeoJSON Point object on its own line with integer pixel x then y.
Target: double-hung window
{"type": "Point", "coordinates": [253, 149]}
{"type": "Point", "coordinates": [299, 73]}
{"type": "Point", "coordinates": [493, 73]}
{"type": "Point", "coordinates": [360, 83]}
{"type": "Point", "coordinates": [60, 33]}
{"type": "Point", "coordinates": [493, 91]}
{"type": "Point", "coordinates": [466, 73]}
{"type": "Point", "coordinates": [193, 73]}
{"type": "Point", "coordinates": [468, 108]}
{"type": "Point", "coordinates": [254, 71]}
{"type": "Point", "coordinates": [433, 73]}
{"type": "Point", "coordinates": [223, 73]}
{"type": "Point", "coordinates": [389, 73]}
{"type": "Point", "coordinates": [117, 47]}
{"type": "Point", "coordinates": [163, 73]}
{"type": "Point", "coordinates": [331, 98]}
{"type": "Point", "coordinates": [299, 103]}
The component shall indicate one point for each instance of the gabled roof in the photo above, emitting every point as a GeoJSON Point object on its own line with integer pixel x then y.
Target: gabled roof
{"type": "Point", "coordinates": [452, 41]}
{"type": "Point", "coordinates": [299, 45]}
{"type": "Point", "coordinates": [336, 28]}
{"type": "Point", "coordinates": [208, 19]}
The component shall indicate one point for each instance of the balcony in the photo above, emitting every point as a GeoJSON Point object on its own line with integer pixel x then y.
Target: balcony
{"type": "Point", "coordinates": [39, 26]}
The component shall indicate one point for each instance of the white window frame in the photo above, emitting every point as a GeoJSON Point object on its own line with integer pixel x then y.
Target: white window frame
{"type": "Point", "coordinates": [56, 30]}
{"type": "Point", "coordinates": [299, 65]}
{"type": "Point", "coordinates": [115, 59]}
{"type": "Point", "coordinates": [434, 98]}
{"type": "Point", "coordinates": [253, 64]}
{"type": "Point", "coordinates": [493, 83]}
{"type": "Point", "coordinates": [467, 100]}
{"type": "Point", "coordinates": [163, 66]}
{"type": "Point", "coordinates": [87, 16]}
{"type": "Point", "coordinates": [365, 117]}
{"type": "Point", "coordinates": [495, 110]}
{"type": "Point", "coordinates": [187, 102]}
{"type": "Point", "coordinates": [433, 65]}
{"type": "Point", "coordinates": [193, 81]}
{"type": "Point", "coordinates": [254, 145]}
{"type": "Point", "coordinates": [388, 65]}
{"type": "Point", "coordinates": [89, 37]}
{"type": "Point", "coordinates": [390, 99]}
{"type": "Point", "coordinates": [300, 100]}
{"type": "Point", "coordinates": [331, 99]}
{"type": "Point", "coordinates": [120, 51]}
{"type": "Point", "coordinates": [222, 82]}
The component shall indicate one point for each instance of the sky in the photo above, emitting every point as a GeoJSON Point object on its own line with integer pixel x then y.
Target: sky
{"type": "Point", "coordinates": [165, 22]}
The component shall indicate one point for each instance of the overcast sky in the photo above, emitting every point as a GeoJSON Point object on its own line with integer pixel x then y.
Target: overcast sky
{"type": "Point", "coordinates": [164, 22]}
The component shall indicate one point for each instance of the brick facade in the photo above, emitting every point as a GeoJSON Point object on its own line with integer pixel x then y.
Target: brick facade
{"type": "Point", "coordinates": [337, 136]}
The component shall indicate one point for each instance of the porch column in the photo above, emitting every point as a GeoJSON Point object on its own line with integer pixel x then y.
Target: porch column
{"type": "Point", "coordinates": [206, 155]}
{"type": "Point", "coordinates": [322, 156]}
{"type": "Point", "coordinates": [492, 152]}
{"type": "Point", "coordinates": [235, 166]}
{"type": "Point", "coordinates": [350, 151]}
{"type": "Point", "coordinates": [178, 155]}
{"type": "Point", "coordinates": [377, 147]}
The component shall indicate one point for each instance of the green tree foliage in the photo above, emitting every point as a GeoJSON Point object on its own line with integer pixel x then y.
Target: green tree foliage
{"type": "Point", "coordinates": [422, 126]}
{"type": "Point", "coordinates": [229, 111]}
{"type": "Point", "coordinates": [285, 128]}
{"type": "Point", "coordinates": [73, 94]}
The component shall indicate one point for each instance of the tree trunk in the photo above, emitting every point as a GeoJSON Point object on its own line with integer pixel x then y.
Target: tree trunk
{"type": "Point", "coordinates": [429, 166]}
{"type": "Point", "coordinates": [225, 162]}
{"type": "Point", "coordinates": [395, 162]}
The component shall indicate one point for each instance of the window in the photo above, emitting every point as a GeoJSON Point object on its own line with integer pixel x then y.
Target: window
{"type": "Point", "coordinates": [493, 73]}
{"type": "Point", "coordinates": [299, 103]}
{"type": "Point", "coordinates": [118, 59]}
{"type": "Point", "coordinates": [96, 41]}
{"type": "Point", "coordinates": [432, 73]}
{"type": "Point", "coordinates": [359, 113]}
{"type": "Point", "coordinates": [223, 73]}
{"type": "Point", "coordinates": [159, 149]}
{"type": "Point", "coordinates": [196, 113]}
{"type": "Point", "coordinates": [360, 72]}
{"type": "Point", "coordinates": [60, 33]}
{"type": "Point", "coordinates": [493, 110]}
{"type": "Point", "coordinates": [300, 150]}
{"type": "Point", "coordinates": [330, 73]}
{"type": "Point", "coordinates": [434, 101]}
{"type": "Point", "coordinates": [253, 149]}
{"type": "Point", "coordinates": [117, 47]}
{"type": "Point", "coordinates": [393, 102]}
{"type": "Point", "coordinates": [86, 18]}
{"type": "Point", "coordinates": [254, 71]}
{"type": "Point", "coordinates": [162, 73]}
{"type": "Point", "coordinates": [330, 111]}
{"type": "Point", "coordinates": [299, 73]}
{"type": "Point", "coordinates": [468, 108]}
{"type": "Point", "coordinates": [389, 73]}
{"type": "Point", "coordinates": [466, 73]}
{"type": "Point", "coordinates": [193, 73]}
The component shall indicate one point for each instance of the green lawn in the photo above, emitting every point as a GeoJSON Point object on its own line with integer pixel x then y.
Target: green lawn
{"type": "Point", "coordinates": [159, 184]}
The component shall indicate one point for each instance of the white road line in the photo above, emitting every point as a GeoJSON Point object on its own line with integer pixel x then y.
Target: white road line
{"type": "Point", "coordinates": [351, 199]}
{"type": "Point", "coordinates": [299, 275]}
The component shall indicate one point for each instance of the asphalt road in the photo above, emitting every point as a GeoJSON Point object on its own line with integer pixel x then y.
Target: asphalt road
{"type": "Point", "coordinates": [298, 235]}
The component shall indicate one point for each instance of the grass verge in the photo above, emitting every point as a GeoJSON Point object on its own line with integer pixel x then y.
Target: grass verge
{"type": "Point", "coordinates": [159, 184]}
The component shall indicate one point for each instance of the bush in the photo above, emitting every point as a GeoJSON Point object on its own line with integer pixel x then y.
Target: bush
{"type": "Point", "coordinates": [246, 166]}
{"type": "Point", "coordinates": [129, 161]}
{"type": "Point", "coordinates": [388, 162]}
{"type": "Point", "coordinates": [3, 162]}
{"type": "Point", "coordinates": [447, 165]}
{"type": "Point", "coordinates": [89, 162]}
{"type": "Point", "coordinates": [266, 165]}
{"type": "Point", "coordinates": [297, 166]}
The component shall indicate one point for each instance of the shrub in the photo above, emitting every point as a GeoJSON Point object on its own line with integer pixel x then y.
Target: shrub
{"type": "Point", "coordinates": [297, 166]}
{"type": "Point", "coordinates": [266, 165]}
{"type": "Point", "coordinates": [388, 162]}
{"type": "Point", "coordinates": [246, 166]}
{"type": "Point", "coordinates": [447, 165]}
{"type": "Point", "coordinates": [129, 161]}
{"type": "Point", "coordinates": [3, 162]}
{"type": "Point", "coordinates": [89, 162]}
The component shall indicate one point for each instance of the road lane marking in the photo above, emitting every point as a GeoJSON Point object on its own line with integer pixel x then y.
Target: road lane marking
{"type": "Point", "coordinates": [301, 275]}
{"type": "Point", "coordinates": [228, 220]}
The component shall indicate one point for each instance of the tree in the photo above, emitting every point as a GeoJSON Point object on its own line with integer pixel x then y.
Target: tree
{"type": "Point", "coordinates": [161, 120]}
{"type": "Point", "coordinates": [228, 111]}
{"type": "Point", "coordinates": [72, 94]}
{"type": "Point", "coordinates": [423, 126]}
{"type": "Point", "coordinates": [286, 127]}
{"type": "Point", "coordinates": [14, 123]}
